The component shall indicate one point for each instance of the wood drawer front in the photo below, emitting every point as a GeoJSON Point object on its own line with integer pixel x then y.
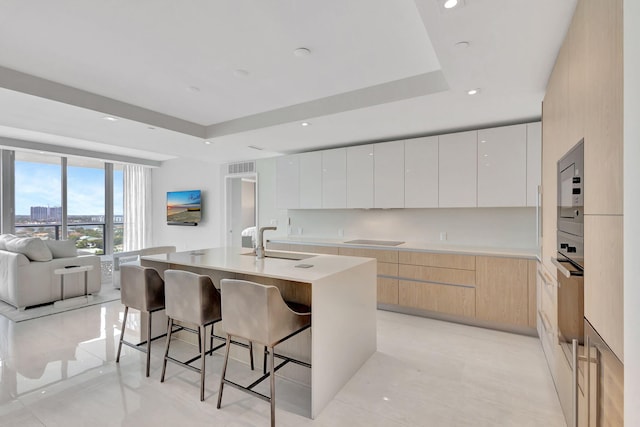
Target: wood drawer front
{"type": "Point", "coordinates": [387, 291]}
{"type": "Point", "coordinates": [438, 275]}
{"type": "Point", "coordinates": [387, 269]}
{"type": "Point", "coordinates": [455, 300]}
{"type": "Point", "coordinates": [502, 290]}
{"type": "Point", "coordinates": [278, 246]}
{"type": "Point", "coordinates": [380, 255]}
{"type": "Point", "coordinates": [462, 262]}
{"type": "Point", "coordinates": [314, 249]}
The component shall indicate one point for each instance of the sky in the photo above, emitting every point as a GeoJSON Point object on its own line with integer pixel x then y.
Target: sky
{"type": "Point", "coordinates": [38, 184]}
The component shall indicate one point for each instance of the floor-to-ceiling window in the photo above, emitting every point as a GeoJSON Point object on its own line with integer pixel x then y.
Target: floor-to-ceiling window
{"type": "Point", "coordinates": [64, 198]}
{"type": "Point", "coordinates": [38, 196]}
{"type": "Point", "coordinates": [85, 204]}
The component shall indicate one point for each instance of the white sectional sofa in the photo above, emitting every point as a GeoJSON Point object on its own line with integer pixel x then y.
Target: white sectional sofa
{"type": "Point", "coordinates": [27, 271]}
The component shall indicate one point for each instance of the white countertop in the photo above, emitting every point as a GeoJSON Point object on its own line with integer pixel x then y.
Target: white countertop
{"type": "Point", "coordinates": [236, 260]}
{"type": "Point", "coordinates": [531, 253]}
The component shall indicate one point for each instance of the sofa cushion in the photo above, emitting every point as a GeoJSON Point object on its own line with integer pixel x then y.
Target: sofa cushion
{"type": "Point", "coordinates": [62, 248]}
{"type": "Point", "coordinates": [4, 238]}
{"type": "Point", "coordinates": [32, 247]}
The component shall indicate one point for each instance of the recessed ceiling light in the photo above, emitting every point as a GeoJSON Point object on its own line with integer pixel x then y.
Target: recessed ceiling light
{"type": "Point", "coordinates": [304, 124]}
{"type": "Point", "coordinates": [151, 127]}
{"type": "Point", "coordinates": [193, 89]}
{"type": "Point", "coordinates": [256, 148]}
{"type": "Point", "coordinates": [462, 45]}
{"type": "Point", "coordinates": [241, 73]}
{"type": "Point", "coordinates": [450, 4]}
{"type": "Point", "coordinates": [302, 51]}
{"type": "Point", "coordinates": [473, 91]}
{"type": "Point", "coordinates": [207, 142]}
{"type": "Point", "coordinates": [110, 119]}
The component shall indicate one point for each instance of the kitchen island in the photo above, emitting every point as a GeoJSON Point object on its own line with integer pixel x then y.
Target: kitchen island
{"type": "Point", "coordinates": [341, 291]}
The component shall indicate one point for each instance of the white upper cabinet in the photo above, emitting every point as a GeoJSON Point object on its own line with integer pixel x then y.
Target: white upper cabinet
{"type": "Point", "coordinates": [534, 161]}
{"type": "Point", "coordinates": [389, 174]}
{"type": "Point", "coordinates": [457, 171]}
{"type": "Point", "coordinates": [421, 172]}
{"type": "Point", "coordinates": [502, 166]}
{"type": "Point", "coordinates": [334, 178]}
{"type": "Point", "coordinates": [360, 176]}
{"type": "Point", "coordinates": [287, 182]}
{"type": "Point", "coordinates": [310, 180]}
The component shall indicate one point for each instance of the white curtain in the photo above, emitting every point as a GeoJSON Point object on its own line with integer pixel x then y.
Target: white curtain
{"type": "Point", "coordinates": [137, 207]}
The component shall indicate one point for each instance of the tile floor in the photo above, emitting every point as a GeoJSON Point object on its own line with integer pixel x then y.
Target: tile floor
{"type": "Point", "coordinates": [60, 370]}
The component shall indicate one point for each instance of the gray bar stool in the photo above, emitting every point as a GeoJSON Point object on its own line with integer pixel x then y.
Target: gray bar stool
{"type": "Point", "coordinates": [193, 299]}
{"type": "Point", "coordinates": [259, 314]}
{"type": "Point", "coordinates": [142, 289]}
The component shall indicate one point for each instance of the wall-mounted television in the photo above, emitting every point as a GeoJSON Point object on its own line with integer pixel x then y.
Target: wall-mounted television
{"type": "Point", "coordinates": [183, 207]}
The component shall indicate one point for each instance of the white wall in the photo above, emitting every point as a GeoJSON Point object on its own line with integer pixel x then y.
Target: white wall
{"type": "Point", "coordinates": [492, 227]}
{"type": "Point", "coordinates": [631, 213]}
{"type": "Point", "coordinates": [181, 174]}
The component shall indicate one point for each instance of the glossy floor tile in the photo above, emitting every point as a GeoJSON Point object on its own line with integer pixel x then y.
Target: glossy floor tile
{"type": "Point", "coordinates": [60, 370]}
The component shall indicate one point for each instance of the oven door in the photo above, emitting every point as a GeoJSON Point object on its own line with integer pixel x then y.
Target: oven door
{"type": "Point", "coordinates": [570, 304]}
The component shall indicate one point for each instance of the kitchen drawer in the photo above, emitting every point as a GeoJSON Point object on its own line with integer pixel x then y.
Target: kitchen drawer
{"type": "Point", "coordinates": [462, 262]}
{"type": "Point", "coordinates": [387, 269]}
{"type": "Point", "coordinates": [457, 300]}
{"type": "Point", "coordinates": [381, 255]}
{"type": "Point", "coordinates": [438, 275]}
{"type": "Point", "coordinates": [278, 246]}
{"type": "Point", "coordinates": [387, 290]}
{"type": "Point", "coordinates": [547, 339]}
{"type": "Point", "coordinates": [314, 249]}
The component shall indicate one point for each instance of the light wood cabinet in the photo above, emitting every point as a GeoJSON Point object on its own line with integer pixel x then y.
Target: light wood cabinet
{"type": "Point", "coordinates": [334, 178]}
{"type": "Point", "coordinates": [534, 162]}
{"type": "Point", "coordinates": [287, 182]}
{"type": "Point", "coordinates": [389, 174]}
{"type": "Point", "coordinates": [421, 172]}
{"type": "Point", "coordinates": [463, 262]}
{"type": "Point", "coordinates": [502, 290]}
{"type": "Point", "coordinates": [456, 300]}
{"type": "Point", "coordinates": [438, 275]}
{"type": "Point", "coordinates": [502, 166]}
{"type": "Point", "coordinates": [381, 255]}
{"type": "Point", "coordinates": [360, 176]}
{"type": "Point", "coordinates": [532, 270]}
{"type": "Point", "coordinates": [457, 171]}
{"type": "Point", "coordinates": [604, 126]}
{"type": "Point", "coordinates": [603, 279]}
{"type": "Point", "coordinates": [310, 180]}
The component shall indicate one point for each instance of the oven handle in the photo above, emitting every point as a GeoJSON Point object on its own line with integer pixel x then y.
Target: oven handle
{"type": "Point", "coordinates": [564, 270]}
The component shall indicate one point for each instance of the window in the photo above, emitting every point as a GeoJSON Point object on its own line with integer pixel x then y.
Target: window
{"type": "Point", "coordinates": [38, 196]}
{"type": "Point", "coordinates": [118, 208]}
{"type": "Point", "coordinates": [85, 204]}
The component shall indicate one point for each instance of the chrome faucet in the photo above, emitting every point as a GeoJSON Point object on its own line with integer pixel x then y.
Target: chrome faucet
{"type": "Point", "coordinates": [260, 241]}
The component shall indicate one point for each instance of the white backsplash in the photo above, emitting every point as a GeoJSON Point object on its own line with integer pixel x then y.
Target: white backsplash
{"type": "Point", "coordinates": [491, 227]}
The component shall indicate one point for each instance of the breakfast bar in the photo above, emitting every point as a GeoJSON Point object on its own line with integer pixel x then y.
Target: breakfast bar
{"type": "Point", "coordinates": [341, 291]}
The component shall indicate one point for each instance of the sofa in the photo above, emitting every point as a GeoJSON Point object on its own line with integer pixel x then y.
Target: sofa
{"type": "Point", "coordinates": [27, 266]}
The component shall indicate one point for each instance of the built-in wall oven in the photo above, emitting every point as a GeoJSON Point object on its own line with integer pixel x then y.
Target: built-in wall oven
{"type": "Point", "coordinates": [570, 261]}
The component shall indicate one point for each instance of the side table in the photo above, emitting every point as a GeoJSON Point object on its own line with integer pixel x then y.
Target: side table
{"type": "Point", "coordinates": [62, 272]}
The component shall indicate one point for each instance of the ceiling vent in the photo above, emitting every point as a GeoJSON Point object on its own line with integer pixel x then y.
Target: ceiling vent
{"type": "Point", "coordinates": [242, 167]}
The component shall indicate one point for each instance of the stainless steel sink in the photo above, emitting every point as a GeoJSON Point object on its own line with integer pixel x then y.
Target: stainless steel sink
{"type": "Point", "coordinates": [374, 242]}
{"type": "Point", "coordinates": [294, 256]}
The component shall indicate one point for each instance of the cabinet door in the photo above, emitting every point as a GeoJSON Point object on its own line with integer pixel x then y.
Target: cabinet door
{"type": "Point", "coordinates": [501, 290]}
{"type": "Point", "coordinates": [310, 180]}
{"type": "Point", "coordinates": [287, 182]}
{"type": "Point", "coordinates": [389, 174]}
{"type": "Point", "coordinates": [457, 171]}
{"type": "Point", "coordinates": [334, 179]}
{"type": "Point", "coordinates": [421, 172]}
{"type": "Point", "coordinates": [534, 162]}
{"type": "Point", "coordinates": [502, 166]}
{"type": "Point", "coordinates": [360, 176]}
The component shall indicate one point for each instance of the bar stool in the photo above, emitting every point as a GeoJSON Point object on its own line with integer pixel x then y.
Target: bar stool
{"type": "Point", "coordinates": [142, 288]}
{"type": "Point", "coordinates": [193, 299]}
{"type": "Point", "coordinates": [258, 313]}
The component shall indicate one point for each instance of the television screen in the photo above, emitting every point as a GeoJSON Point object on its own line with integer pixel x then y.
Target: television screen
{"type": "Point", "coordinates": [183, 207]}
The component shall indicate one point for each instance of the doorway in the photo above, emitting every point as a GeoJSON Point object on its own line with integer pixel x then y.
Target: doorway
{"type": "Point", "coordinates": [242, 210]}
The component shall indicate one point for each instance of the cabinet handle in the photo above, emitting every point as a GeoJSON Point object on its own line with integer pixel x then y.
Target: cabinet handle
{"type": "Point", "coordinates": [574, 380]}
{"type": "Point", "coordinates": [561, 268]}
{"type": "Point", "coordinates": [587, 346]}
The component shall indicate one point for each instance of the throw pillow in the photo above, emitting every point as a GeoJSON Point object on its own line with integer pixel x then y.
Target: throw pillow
{"type": "Point", "coordinates": [62, 248]}
{"type": "Point", "coordinates": [4, 238]}
{"type": "Point", "coordinates": [32, 247]}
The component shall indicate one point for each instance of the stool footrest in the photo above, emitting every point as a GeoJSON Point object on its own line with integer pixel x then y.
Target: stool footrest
{"type": "Point", "coordinates": [247, 390]}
